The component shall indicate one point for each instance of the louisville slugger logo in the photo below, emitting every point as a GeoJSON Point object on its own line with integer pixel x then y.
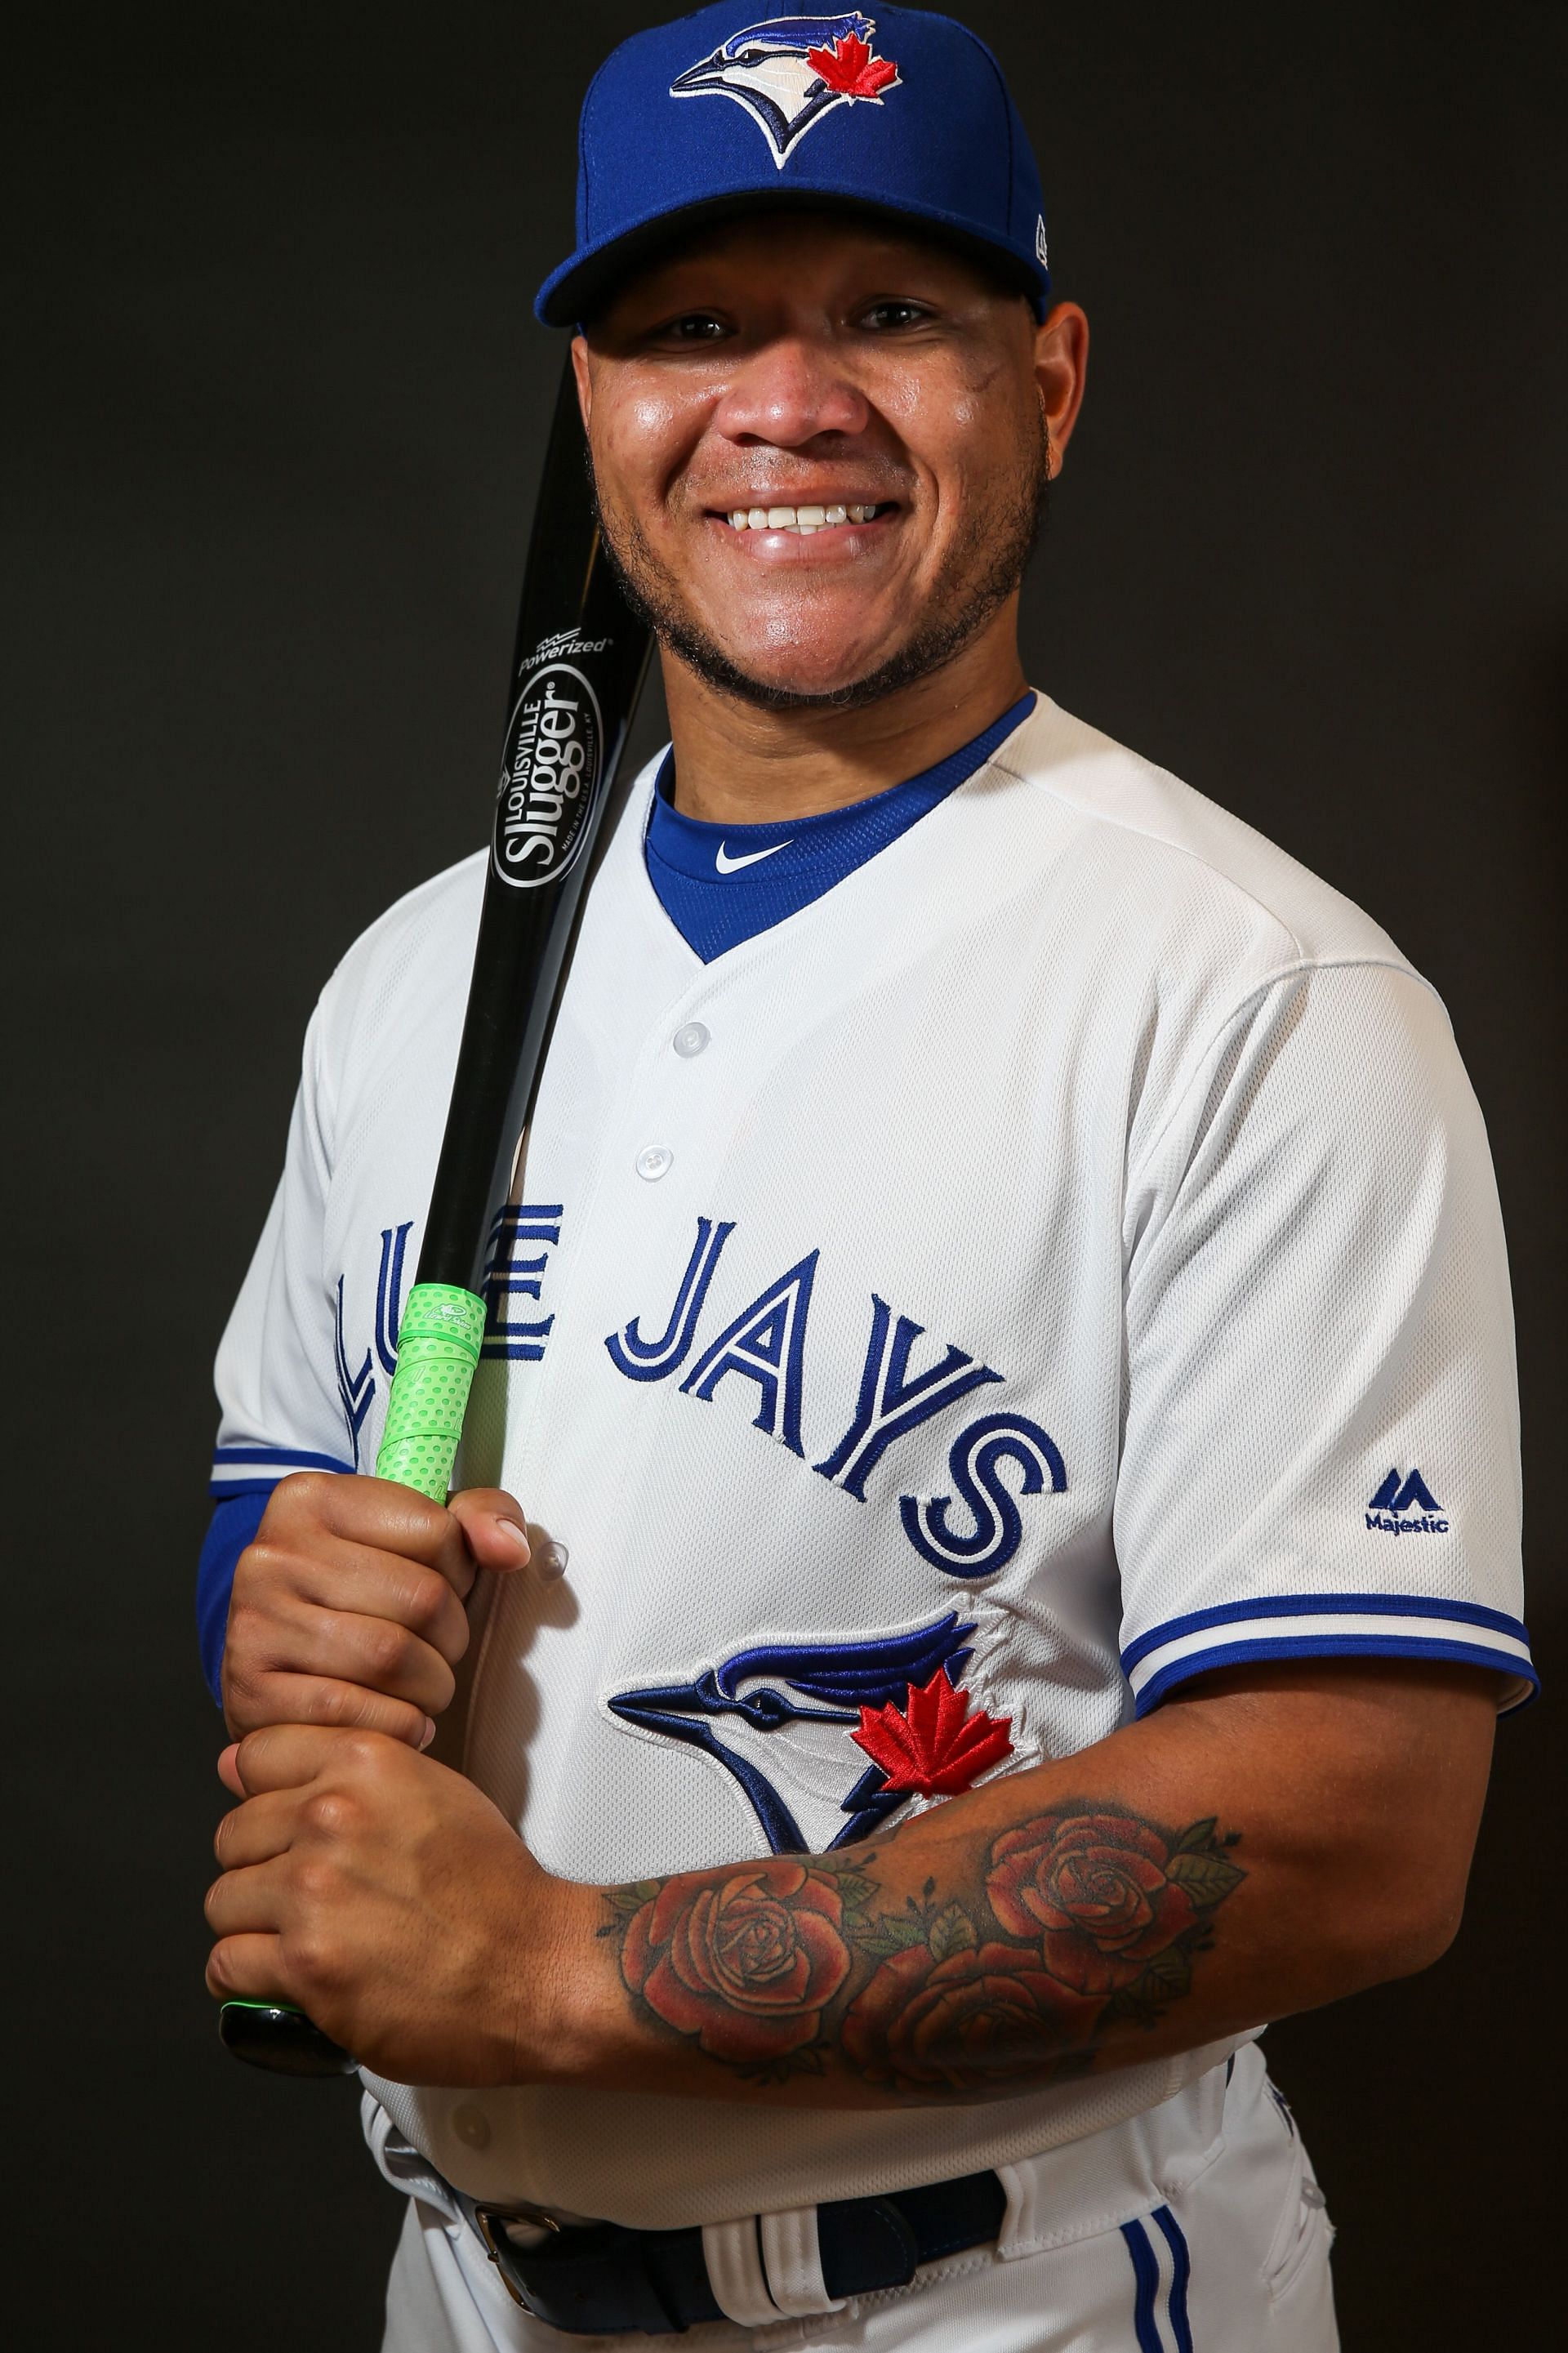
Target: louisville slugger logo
{"type": "Point", "coordinates": [550, 778]}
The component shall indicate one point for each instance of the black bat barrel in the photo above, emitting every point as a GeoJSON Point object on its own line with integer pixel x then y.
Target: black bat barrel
{"type": "Point", "coordinates": [577, 669]}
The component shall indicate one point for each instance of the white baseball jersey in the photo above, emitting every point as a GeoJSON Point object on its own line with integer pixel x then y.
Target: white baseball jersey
{"type": "Point", "coordinates": [1065, 1254]}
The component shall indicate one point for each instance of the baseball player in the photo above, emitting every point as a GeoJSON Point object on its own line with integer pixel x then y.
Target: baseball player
{"type": "Point", "coordinates": [988, 1556]}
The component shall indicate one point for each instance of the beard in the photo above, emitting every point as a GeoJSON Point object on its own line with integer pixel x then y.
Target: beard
{"type": "Point", "coordinates": [981, 571]}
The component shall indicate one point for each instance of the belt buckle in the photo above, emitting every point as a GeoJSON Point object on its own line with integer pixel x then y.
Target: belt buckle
{"type": "Point", "coordinates": [489, 2221]}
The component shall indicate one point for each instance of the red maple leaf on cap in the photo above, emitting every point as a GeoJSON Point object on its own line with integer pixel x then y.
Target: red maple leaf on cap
{"type": "Point", "coordinates": [932, 1744]}
{"type": "Point", "coordinates": [849, 68]}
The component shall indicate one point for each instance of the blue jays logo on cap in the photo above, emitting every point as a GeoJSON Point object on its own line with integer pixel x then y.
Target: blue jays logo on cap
{"type": "Point", "coordinates": [789, 71]}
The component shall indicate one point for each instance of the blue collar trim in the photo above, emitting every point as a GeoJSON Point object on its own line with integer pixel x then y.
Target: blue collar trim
{"type": "Point", "coordinates": [721, 884]}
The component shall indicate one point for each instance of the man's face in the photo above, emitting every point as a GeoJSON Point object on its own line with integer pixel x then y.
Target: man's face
{"type": "Point", "coordinates": [808, 362]}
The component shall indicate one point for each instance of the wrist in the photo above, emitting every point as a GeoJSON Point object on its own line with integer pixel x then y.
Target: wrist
{"type": "Point", "coordinates": [559, 1994]}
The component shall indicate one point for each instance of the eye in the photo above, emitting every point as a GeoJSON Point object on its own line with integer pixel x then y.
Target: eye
{"type": "Point", "coordinates": [692, 327]}
{"type": "Point", "coordinates": [896, 311]}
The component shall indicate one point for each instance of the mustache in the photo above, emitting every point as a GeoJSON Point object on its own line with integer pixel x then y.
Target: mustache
{"type": "Point", "coordinates": [766, 485]}
{"type": "Point", "coordinates": [984, 568]}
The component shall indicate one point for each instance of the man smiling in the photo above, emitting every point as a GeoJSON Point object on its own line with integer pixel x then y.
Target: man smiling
{"type": "Point", "coordinates": [1020, 1563]}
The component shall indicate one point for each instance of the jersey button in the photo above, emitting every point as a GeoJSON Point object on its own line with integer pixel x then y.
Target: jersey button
{"type": "Point", "coordinates": [654, 1163]}
{"type": "Point", "coordinates": [691, 1039]}
{"type": "Point", "coordinates": [472, 2126]}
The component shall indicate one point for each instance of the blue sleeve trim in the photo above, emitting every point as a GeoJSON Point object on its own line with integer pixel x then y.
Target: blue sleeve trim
{"type": "Point", "coordinates": [231, 1528]}
{"type": "Point", "coordinates": [256, 1469]}
{"type": "Point", "coordinates": [1321, 1605]}
{"type": "Point", "coordinates": [222, 1455]}
{"type": "Point", "coordinates": [1339, 1646]}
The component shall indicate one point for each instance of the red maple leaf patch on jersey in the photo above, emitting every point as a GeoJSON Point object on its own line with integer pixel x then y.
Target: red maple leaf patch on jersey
{"type": "Point", "coordinates": [849, 68]}
{"type": "Point", "coordinates": [933, 1745]}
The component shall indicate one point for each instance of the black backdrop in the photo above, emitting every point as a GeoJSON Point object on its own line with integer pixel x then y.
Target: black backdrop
{"type": "Point", "coordinates": [279, 398]}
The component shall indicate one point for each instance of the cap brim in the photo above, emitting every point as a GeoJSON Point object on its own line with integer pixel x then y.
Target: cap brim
{"type": "Point", "coordinates": [586, 280]}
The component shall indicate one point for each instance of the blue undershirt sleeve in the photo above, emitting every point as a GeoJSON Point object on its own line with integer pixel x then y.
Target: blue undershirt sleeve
{"type": "Point", "coordinates": [233, 1525]}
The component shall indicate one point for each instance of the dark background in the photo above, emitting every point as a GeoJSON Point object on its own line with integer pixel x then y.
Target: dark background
{"type": "Point", "coordinates": [277, 405]}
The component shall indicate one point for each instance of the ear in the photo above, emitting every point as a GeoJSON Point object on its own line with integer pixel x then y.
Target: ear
{"type": "Point", "coordinates": [1061, 362]}
{"type": "Point", "coordinates": [585, 382]}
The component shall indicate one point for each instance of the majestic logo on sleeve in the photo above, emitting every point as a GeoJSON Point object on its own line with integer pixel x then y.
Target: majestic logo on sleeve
{"type": "Point", "coordinates": [800, 1711]}
{"type": "Point", "coordinates": [1406, 1507]}
{"type": "Point", "coordinates": [790, 71]}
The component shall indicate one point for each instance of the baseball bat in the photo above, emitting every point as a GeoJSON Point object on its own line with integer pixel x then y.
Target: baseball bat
{"type": "Point", "coordinates": [578, 667]}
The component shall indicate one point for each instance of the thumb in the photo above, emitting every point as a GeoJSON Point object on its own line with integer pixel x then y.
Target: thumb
{"type": "Point", "coordinates": [493, 1526]}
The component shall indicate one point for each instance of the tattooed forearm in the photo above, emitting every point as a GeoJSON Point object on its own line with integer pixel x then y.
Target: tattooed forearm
{"type": "Point", "coordinates": [1076, 1929]}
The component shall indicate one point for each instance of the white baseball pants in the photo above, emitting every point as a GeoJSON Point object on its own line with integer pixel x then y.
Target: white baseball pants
{"type": "Point", "coordinates": [1238, 2262]}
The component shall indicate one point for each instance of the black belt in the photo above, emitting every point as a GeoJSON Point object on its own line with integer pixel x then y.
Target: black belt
{"type": "Point", "coordinates": [593, 2279]}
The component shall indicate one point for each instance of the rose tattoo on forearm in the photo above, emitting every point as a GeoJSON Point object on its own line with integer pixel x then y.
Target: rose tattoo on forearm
{"type": "Point", "coordinates": [748, 1967]}
{"type": "Point", "coordinates": [1081, 1916]}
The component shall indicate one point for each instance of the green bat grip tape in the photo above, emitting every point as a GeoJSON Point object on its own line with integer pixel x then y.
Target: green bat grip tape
{"type": "Point", "coordinates": [437, 1352]}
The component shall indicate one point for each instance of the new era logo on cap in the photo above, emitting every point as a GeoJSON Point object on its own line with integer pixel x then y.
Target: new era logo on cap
{"type": "Point", "coordinates": [789, 71]}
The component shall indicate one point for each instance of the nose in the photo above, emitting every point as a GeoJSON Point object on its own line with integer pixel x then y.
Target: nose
{"type": "Point", "coordinates": [787, 393]}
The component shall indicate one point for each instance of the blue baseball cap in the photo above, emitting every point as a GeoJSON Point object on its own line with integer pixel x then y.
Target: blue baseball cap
{"type": "Point", "coordinates": [902, 114]}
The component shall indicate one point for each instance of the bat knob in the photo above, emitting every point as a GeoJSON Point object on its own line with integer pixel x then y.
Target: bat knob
{"type": "Point", "coordinates": [276, 2036]}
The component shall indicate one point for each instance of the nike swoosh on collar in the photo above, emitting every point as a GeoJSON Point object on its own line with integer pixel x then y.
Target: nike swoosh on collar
{"type": "Point", "coordinates": [728, 865]}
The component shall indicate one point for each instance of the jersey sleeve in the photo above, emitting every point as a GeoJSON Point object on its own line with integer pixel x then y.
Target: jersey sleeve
{"type": "Point", "coordinates": [1321, 1448]}
{"type": "Point", "coordinates": [278, 1412]}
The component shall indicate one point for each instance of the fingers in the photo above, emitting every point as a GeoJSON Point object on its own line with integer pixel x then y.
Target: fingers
{"type": "Point", "coordinates": [408, 1593]}
{"type": "Point", "coordinates": [362, 1673]}
{"type": "Point", "coordinates": [498, 1536]}
{"type": "Point", "coordinates": [248, 1903]}
{"type": "Point", "coordinates": [493, 1524]}
{"type": "Point", "coordinates": [248, 1967]}
{"type": "Point", "coordinates": [288, 1756]}
{"type": "Point", "coordinates": [286, 1698]}
{"type": "Point", "coordinates": [364, 1626]}
{"type": "Point", "coordinates": [379, 1652]}
{"type": "Point", "coordinates": [254, 1832]}
{"type": "Point", "coordinates": [378, 1514]}
{"type": "Point", "coordinates": [254, 1902]}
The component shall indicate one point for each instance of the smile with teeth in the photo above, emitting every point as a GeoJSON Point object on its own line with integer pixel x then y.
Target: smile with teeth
{"type": "Point", "coordinates": [803, 520]}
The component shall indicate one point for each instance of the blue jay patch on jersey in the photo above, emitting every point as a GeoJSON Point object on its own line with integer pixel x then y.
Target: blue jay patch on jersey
{"type": "Point", "coordinates": [808, 1697]}
{"type": "Point", "coordinates": [1406, 1507]}
{"type": "Point", "coordinates": [789, 71]}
